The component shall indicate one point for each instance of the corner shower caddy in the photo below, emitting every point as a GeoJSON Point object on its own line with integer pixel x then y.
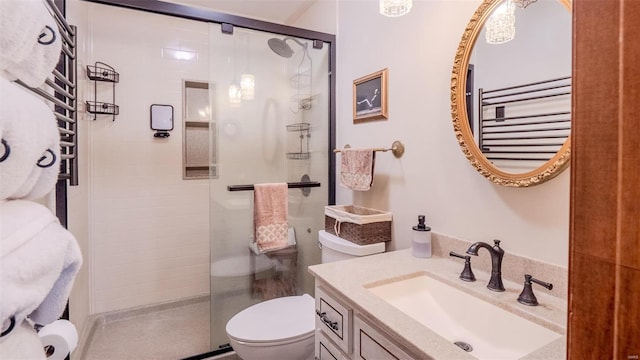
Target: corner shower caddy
{"type": "Point", "coordinates": [103, 73]}
{"type": "Point", "coordinates": [303, 129]}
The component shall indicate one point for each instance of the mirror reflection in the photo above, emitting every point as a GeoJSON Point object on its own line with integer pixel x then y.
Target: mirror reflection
{"type": "Point", "coordinates": [521, 72]}
{"type": "Point", "coordinates": [517, 90]}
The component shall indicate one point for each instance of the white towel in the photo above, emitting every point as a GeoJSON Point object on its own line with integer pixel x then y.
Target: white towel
{"type": "Point", "coordinates": [29, 128]}
{"type": "Point", "coordinates": [30, 42]}
{"type": "Point", "coordinates": [39, 260]}
{"type": "Point", "coordinates": [23, 343]}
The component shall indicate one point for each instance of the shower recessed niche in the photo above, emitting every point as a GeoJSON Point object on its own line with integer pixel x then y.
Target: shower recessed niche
{"type": "Point", "coordinates": [199, 136]}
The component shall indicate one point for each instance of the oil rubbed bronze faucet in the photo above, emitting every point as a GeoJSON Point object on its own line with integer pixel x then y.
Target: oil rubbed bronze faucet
{"type": "Point", "coordinates": [526, 296]}
{"type": "Point", "coordinates": [495, 283]}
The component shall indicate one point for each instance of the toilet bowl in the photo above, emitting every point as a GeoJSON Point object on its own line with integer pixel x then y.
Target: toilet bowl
{"type": "Point", "coordinates": [281, 328]}
{"type": "Point", "coordinates": [284, 328]}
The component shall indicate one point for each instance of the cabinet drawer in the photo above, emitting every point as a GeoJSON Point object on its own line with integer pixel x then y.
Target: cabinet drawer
{"type": "Point", "coordinates": [325, 349]}
{"type": "Point", "coordinates": [334, 319]}
{"type": "Point", "coordinates": [370, 344]}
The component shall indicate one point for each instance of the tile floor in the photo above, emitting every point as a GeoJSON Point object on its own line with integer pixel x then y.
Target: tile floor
{"type": "Point", "coordinates": [172, 333]}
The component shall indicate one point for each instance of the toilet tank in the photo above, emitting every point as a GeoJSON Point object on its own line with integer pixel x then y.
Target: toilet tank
{"type": "Point", "coordinates": [335, 248]}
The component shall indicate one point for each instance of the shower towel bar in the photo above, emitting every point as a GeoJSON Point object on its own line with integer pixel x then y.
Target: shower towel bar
{"type": "Point", "coordinates": [397, 148]}
{"type": "Point", "coordinates": [291, 185]}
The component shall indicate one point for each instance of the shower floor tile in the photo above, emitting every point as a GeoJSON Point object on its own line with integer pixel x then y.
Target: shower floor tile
{"type": "Point", "coordinates": [173, 333]}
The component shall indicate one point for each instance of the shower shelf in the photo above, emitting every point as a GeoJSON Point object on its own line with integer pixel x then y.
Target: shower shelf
{"type": "Point", "coordinates": [98, 107]}
{"type": "Point", "coordinates": [298, 127]}
{"type": "Point", "coordinates": [101, 72]}
{"type": "Point", "coordinates": [298, 155]}
{"type": "Point", "coordinates": [303, 129]}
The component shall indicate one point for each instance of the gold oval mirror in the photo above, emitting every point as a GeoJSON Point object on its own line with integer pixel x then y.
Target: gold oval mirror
{"type": "Point", "coordinates": [511, 90]}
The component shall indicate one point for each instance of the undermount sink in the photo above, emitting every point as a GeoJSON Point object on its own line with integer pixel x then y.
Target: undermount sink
{"type": "Point", "coordinates": [491, 332]}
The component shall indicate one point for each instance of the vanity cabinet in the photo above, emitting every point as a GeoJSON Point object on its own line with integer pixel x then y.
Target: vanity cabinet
{"type": "Point", "coordinates": [325, 348]}
{"type": "Point", "coordinates": [334, 319]}
{"type": "Point", "coordinates": [342, 334]}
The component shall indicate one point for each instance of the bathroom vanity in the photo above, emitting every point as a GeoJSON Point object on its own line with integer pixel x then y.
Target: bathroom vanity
{"type": "Point", "coordinates": [364, 310]}
{"type": "Point", "coordinates": [350, 333]}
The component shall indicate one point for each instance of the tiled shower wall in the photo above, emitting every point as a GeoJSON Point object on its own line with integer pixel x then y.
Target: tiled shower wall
{"type": "Point", "coordinates": [148, 227]}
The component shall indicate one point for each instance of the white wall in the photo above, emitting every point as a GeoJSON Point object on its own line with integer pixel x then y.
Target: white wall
{"type": "Point", "coordinates": [321, 15]}
{"type": "Point", "coordinates": [433, 177]}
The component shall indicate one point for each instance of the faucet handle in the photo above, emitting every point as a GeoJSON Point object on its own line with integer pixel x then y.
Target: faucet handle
{"type": "Point", "coordinates": [526, 296]}
{"type": "Point", "coordinates": [496, 242]}
{"type": "Point", "coordinates": [466, 274]}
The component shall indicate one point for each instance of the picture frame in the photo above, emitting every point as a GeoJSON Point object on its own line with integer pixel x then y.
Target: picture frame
{"type": "Point", "coordinates": [370, 97]}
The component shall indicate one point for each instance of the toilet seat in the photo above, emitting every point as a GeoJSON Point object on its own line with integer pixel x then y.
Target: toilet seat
{"type": "Point", "coordinates": [285, 319]}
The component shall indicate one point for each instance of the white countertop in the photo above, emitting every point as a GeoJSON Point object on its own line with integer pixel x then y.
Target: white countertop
{"type": "Point", "coordinates": [347, 278]}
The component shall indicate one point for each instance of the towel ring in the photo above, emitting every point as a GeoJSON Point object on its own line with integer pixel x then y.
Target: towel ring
{"type": "Point", "coordinates": [7, 150]}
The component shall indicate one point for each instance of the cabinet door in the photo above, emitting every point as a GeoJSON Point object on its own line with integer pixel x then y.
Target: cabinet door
{"type": "Point", "coordinates": [334, 319]}
{"type": "Point", "coordinates": [326, 349]}
{"type": "Point", "coordinates": [371, 344]}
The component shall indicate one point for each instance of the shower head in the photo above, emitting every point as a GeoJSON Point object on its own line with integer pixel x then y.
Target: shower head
{"type": "Point", "coordinates": [280, 46]}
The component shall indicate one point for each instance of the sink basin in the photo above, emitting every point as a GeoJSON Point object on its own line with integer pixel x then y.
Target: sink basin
{"type": "Point", "coordinates": [492, 332]}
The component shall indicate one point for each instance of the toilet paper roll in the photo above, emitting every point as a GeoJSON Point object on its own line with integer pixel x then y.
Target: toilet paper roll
{"type": "Point", "coordinates": [58, 339]}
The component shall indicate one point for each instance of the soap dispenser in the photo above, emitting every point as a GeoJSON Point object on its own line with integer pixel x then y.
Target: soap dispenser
{"type": "Point", "coordinates": [421, 244]}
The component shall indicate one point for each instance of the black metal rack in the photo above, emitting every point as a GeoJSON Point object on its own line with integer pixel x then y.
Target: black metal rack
{"type": "Point", "coordinates": [539, 124]}
{"type": "Point", "coordinates": [101, 72]}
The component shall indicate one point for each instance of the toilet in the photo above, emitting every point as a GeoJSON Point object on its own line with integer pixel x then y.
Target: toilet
{"type": "Point", "coordinates": [284, 328]}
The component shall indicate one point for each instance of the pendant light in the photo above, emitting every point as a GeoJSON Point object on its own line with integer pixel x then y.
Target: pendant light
{"type": "Point", "coordinates": [395, 8]}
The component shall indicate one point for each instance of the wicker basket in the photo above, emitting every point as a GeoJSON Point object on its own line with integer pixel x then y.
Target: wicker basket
{"type": "Point", "coordinates": [357, 224]}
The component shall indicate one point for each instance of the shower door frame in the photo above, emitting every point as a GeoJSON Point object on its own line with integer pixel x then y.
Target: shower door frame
{"type": "Point", "coordinates": [199, 14]}
{"type": "Point", "coordinates": [209, 16]}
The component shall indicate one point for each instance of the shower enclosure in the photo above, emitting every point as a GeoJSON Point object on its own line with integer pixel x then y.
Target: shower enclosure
{"type": "Point", "coordinates": [252, 103]}
{"type": "Point", "coordinates": [271, 99]}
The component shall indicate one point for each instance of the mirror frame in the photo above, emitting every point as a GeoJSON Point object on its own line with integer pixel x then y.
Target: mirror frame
{"type": "Point", "coordinates": [547, 171]}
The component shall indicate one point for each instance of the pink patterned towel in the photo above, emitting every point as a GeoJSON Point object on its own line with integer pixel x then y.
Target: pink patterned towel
{"type": "Point", "coordinates": [356, 169]}
{"type": "Point", "coordinates": [270, 212]}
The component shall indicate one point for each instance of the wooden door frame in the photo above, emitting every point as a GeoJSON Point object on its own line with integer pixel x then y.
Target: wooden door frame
{"type": "Point", "coordinates": [604, 245]}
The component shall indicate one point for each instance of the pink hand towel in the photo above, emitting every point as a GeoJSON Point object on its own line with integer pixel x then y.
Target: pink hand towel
{"type": "Point", "coordinates": [356, 168]}
{"type": "Point", "coordinates": [270, 212]}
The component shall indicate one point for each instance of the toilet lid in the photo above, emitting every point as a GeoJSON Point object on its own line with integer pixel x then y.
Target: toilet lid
{"type": "Point", "coordinates": [274, 320]}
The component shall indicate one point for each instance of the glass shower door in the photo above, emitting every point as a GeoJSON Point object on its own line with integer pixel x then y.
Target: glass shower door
{"type": "Point", "coordinates": [269, 97]}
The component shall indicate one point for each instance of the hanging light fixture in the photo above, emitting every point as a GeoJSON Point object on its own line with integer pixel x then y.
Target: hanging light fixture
{"type": "Point", "coordinates": [247, 86]}
{"type": "Point", "coordinates": [501, 25]}
{"type": "Point", "coordinates": [247, 79]}
{"type": "Point", "coordinates": [523, 3]}
{"type": "Point", "coordinates": [235, 91]}
{"type": "Point", "coordinates": [235, 95]}
{"type": "Point", "coordinates": [395, 8]}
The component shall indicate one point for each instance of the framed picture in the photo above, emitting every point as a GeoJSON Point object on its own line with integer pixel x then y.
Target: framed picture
{"type": "Point", "coordinates": [370, 97]}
